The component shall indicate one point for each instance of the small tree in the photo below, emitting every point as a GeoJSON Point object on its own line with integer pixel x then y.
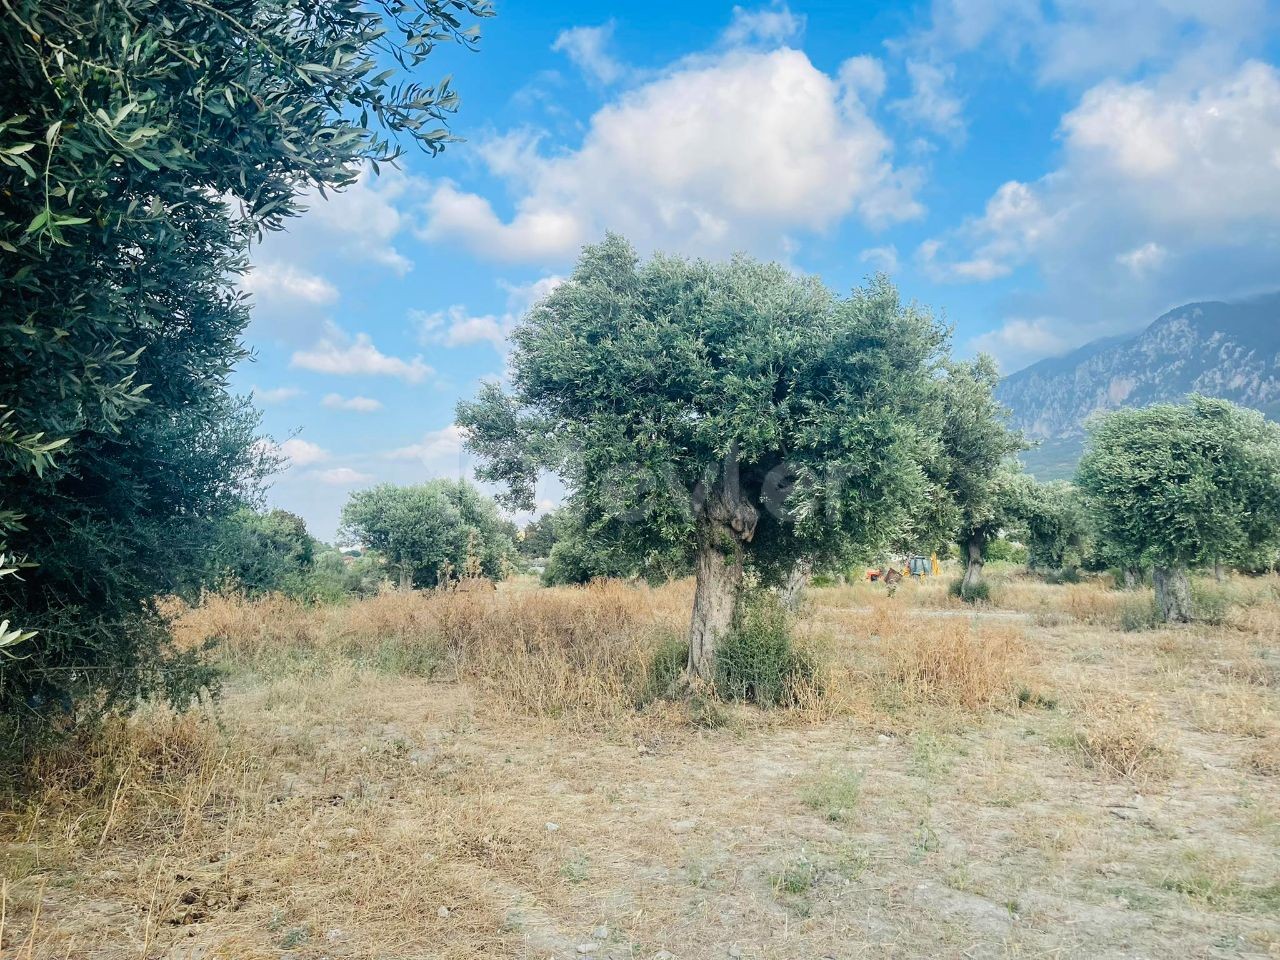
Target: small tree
{"type": "Point", "coordinates": [1053, 524]}
{"type": "Point", "coordinates": [733, 413]}
{"type": "Point", "coordinates": [424, 528]}
{"type": "Point", "coordinates": [261, 552]}
{"type": "Point", "coordinates": [980, 480]}
{"type": "Point", "coordinates": [1179, 486]}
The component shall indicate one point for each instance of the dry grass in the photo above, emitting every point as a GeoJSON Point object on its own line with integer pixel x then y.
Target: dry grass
{"type": "Point", "coordinates": [1124, 741]}
{"type": "Point", "coordinates": [469, 776]}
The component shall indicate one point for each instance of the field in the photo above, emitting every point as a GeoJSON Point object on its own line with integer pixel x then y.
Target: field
{"type": "Point", "coordinates": [421, 776]}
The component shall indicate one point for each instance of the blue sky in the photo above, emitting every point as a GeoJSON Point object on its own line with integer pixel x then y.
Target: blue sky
{"type": "Point", "coordinates": [1038, 173]}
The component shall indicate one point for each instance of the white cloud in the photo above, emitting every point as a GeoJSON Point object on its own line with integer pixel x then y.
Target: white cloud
{"type": "Point", "coordinates": [720, 153]}
{"type": "Point", "coordinates": [455, 326]}
{"type": "Point", "coordinates": [1143, 259]}
{"type": "Point", "coordinates": [301, 453]}
{"type": "Point", "coordinates": [772, 25]}
{"type": "Point", "coordinates": [883, 259]}
{"type": "Point", "coordinates": [275, 394]}
{"type": "Point", "coordinates": [336, 401]}
{"type": "Point", "coordinates": [293, 271]}
{"type": "Point", "coordinates": [588, 48]}
{"type": "Point", "coordinates": [338, 353]}
{"type": "Point", "coordinates": [1089, 39]}
{"type": "Point", "coordinates": [439, 450]}
{"type": "Point", "coordinates": [864, 78]}
{"type": "Point", "coordinates": [270, 282]}
{"type": "Point", "coordinates": [1152, 173]}
{"type": "Point", "coordinates": [343, 477]}
{"type": "Point", "coordinates": [931, 104]}
{"type": "Point", "coordinates": [1020, 341]}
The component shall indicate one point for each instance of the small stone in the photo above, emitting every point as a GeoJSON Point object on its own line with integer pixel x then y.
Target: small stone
{"type": "Point", "coordinates": [664, 955]}
{"type": "Point", "coordinates": [587, 948]}
{"type": "Point", "coordinates": [442, 913]}
{"type": "Point", "coordinates": [735, 951]}
{"type": "Point", "coordinates": [683, 826]}
{"type": "Point", "coordinates": [334, 935]}
{"type": "Point", "coordinates": [600, 933]}
{"type": "Point", "coordinates": [552, 827]}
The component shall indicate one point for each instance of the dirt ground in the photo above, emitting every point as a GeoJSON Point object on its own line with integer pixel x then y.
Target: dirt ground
{"type": "Point", "coordinates": [1127, 807]}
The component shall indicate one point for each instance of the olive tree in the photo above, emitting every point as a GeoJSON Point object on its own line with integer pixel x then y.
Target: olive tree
{"type": "Point", "coordinates": [1053, 523]}
{"type": "Point", "coordinates": [143, 145]}
{"type": "Point", "coordinates": [1177, 486]}
{"type": "Point", "coordinates": [730, 413]}
{"type": "Point", "coordinates": [980, 480]}
{"type": "Point", "coordinates": [424, 531]}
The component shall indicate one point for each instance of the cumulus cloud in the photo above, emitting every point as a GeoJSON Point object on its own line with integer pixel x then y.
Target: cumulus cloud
{"type": "Point", "coordinates": [931, 104]}
{"type": "Point", "coordinates": [724, 152]}
{"type": "Point", "coordinates": [338, 353]}
{"type": "Point", "coordinates": [456, 326]}
{"type": "Point", "coordinates": [300, 453]}
{"type": "Point", "coordinates": [1154, 173]}
{"type": "Point", "coordinates": [343, 477]}
{"type": "Point", "coordinates": [275, 282]}
{"type": "Point", "coordinates": [336, 401]}
{"type": "Point", "coordinates": [771, 25]}
{"type": "Point", "coordinates": [588, 49]}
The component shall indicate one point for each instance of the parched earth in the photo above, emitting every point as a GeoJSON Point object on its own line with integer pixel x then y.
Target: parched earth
{"type": "Point", "coordinates": [358, 815]}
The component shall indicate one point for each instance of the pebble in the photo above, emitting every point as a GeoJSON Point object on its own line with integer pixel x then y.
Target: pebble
{"type": "Point", "coordinates": [600, 933]}
{"type": "Point", "coordinates": [664, 955]}
{"type": "Point", "coordinates": [442, 913]}
{"type": "Point", "coordinates": [552, 827]}
{"type": "Point", "coordinates": [735, 951]}
{"type": "Point", "coordinates": [683, 826]}
{"type": "Point", "coordinates": [587, 948]}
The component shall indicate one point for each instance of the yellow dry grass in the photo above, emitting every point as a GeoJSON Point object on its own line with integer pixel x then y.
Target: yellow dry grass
{"type": "Point", "coordinates": [418, 776]}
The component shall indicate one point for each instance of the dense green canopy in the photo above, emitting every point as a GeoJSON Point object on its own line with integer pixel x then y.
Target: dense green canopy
{"type": "Point", "coordinates": [143, 144]}
{"type": "Point", "coordinates": [429, 530]}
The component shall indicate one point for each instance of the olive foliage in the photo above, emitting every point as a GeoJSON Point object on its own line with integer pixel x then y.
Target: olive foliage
{"type": "Point", "coordinates": [143, 145]}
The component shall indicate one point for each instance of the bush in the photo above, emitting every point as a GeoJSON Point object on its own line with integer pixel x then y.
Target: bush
{"type": "Point", "coordinates": [979, 592]}
{"type": "Point", "coordinates": [757, 662]}
{"type": "Point", "coordinates": [1211, 604]}
{"type": "Point", "coordinates": [1139, 614]}
{"type": "Point", "coordinates": [1065, 575]}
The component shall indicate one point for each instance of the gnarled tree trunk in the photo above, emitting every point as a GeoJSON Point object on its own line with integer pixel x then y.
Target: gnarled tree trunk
{"type": "Point", "coordinates": [1130, 578]}
{"type": "Point", "coordinates": [715, 600]}
{"type": "Point", "coordinates": [977, 560]}
{"type": "Point", "coordinates": [726, 522]}
{"type": "Point", "coordinates": [1173, 594]}
{"type": "Point", "coordinates": [406, 577]}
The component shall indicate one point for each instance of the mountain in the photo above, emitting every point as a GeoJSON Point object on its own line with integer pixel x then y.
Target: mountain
{"type": "Point", "coordinates": [1229, 350]}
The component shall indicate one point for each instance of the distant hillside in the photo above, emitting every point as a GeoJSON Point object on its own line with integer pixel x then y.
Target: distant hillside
{"type": "Point", "coordinates": [1229, 350]}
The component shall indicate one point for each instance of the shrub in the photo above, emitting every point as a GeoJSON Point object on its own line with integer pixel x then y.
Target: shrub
{"type": "Point", "coordinates": [757, 661]}
{"type": "Point", "coordinates": [979, 592]}
{"type": "Point", "coordinates": [1211, 604]}
{"type": "Point", "coordinates": [1139, 614]}
{"type": "Point", "coordinates": [1065, 575]}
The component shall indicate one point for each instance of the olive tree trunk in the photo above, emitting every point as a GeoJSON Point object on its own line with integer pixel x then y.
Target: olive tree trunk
{"type": "Point", "coordinates": [977, 560]}
{"type": "Point", "coordinates": [718, 569]}
{"type": "Point", "coordinates": [406, 577]}
{"type": "Point", "coordinates": [1173, 594]}
{"type": "Point", "coordinates": [726, 523]}
{"type": "Point", "coordinates": [1130, 578]}
{"type": "Point", "coordinates": [791, 591]}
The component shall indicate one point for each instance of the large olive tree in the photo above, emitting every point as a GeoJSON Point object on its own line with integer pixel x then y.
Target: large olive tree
{"type": "Point", "coordinates": [1176, 486]}
{"type": "Point", "coordinates": [734, 413]}
{"type": "Point", "coordinates": [143, 144]}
